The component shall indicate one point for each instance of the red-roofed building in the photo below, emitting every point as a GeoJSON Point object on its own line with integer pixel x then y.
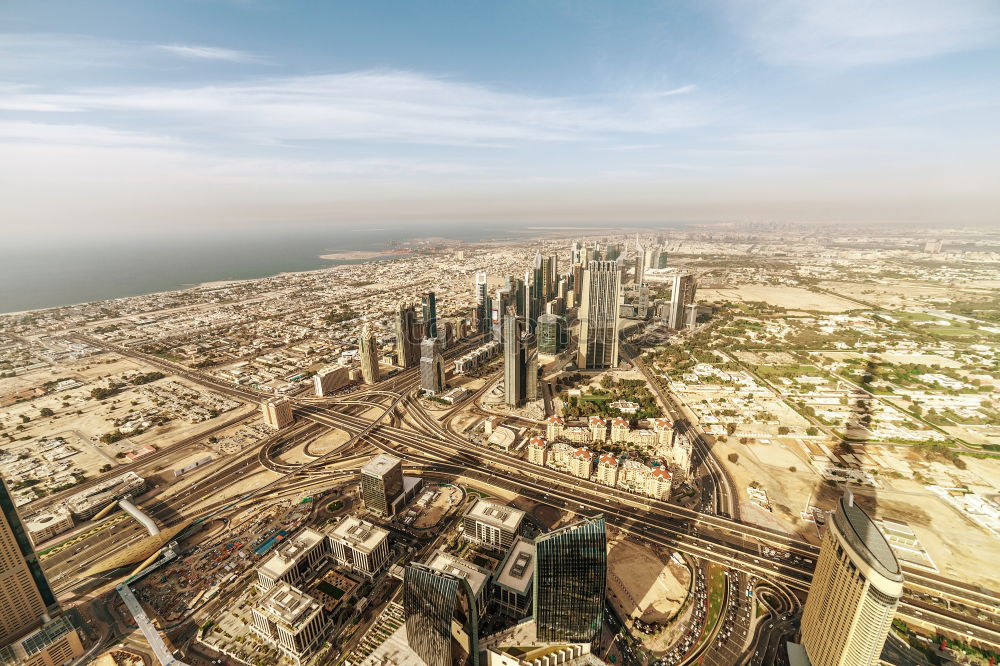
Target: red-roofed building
{"type": "Point", "coordinates": [598, 429]}
{"type": "Point", "coordinates": [607, 469]}
{"type": "Point", "coordinates": [659, 483]}
{"type": "Point", "coordinates": [554, 427]}
{"type": "Point", "coordinates": [619, 429]}
{"type": "Point", "coordinates": [538, 450]}
{"type": "Point", "coordinates": [665, 429]}
{"type": "Point", "coordinates": [582, 463]}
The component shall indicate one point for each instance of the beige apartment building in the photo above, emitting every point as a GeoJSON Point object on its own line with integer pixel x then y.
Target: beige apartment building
{"type": "Point", "coordinates": [277, 412]}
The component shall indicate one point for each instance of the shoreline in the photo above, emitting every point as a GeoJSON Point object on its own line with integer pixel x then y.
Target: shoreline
{"type": "Point", "coordinates": [215, 284]}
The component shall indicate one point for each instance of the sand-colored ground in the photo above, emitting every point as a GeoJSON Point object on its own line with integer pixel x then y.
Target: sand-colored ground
{"type": "Point", "coordinates": [776, 454]}
{"type": "Point", "coordinates": [643, 584]}
{"type": "Point", "coordinates": [786, 297]}
{"type": "Point", "coordinates": [448, 497]}
{"type": "Point", "coordinates": [957, 546]}
{"type": "Point", "coordinates": [896, 296]}
{"type": "Point", "coordinates": [96, 418]}
{"type": "Point", "coordinates": [328, 441]}
{"type": "Point", "coordinates": [922, 359]}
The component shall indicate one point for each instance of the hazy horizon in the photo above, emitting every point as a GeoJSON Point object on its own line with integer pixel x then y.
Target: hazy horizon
{"type": "Point", "coordinates": [257, 114]}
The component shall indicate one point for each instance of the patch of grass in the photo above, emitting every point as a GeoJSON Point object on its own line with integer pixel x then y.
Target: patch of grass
{"type": "Point", "coordinates": [716, 584]}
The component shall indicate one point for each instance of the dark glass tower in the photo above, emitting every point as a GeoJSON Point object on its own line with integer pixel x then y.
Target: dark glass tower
{"type": "Point", "coordinates": [571, 570]}
{"type": "Point", "coordinates": [429, 303]}
{"type": "Point", "coordinates": [441, 619]}
{"type": "Point", "coordinates": [407, 339]}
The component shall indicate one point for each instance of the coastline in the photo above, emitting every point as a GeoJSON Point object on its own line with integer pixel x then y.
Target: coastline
{"type": "Point", "coordinates": [350, 256]}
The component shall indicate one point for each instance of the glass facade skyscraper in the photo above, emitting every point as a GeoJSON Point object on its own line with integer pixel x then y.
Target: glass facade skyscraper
{"type": "Point", "coordinates": [571, 570]}
{"type": "Point", "coordinates": [600, 297]}
{"type": "Point", "coordinates": [429, 307]}
{"type": "Point", "coordinates": [441, 618]}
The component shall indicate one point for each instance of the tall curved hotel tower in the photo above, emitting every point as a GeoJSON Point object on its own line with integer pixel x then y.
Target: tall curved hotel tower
{"type": "Point", "coordinates": [854, 592]}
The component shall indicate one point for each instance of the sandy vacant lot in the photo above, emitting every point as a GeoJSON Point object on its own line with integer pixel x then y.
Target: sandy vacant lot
{"type": "Point", "coordinates": [793, 298]}
{"type": "Point", "coordinates": [643, 584]}
{"type": "Point", "coordinates": [895, 296]}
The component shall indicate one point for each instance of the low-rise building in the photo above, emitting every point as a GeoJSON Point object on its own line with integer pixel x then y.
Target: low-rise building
{"type": "Point", "coordinates": [538, 450]}
{"type": "Point", "coordinates": [492, 524]}
{"type": "Point", "coordinates": [291, 620]}
{"type": "Point", "coordinates": [43, 526]}
{"type": "Point", "coordinates": [277, 412]}
{"type": "Point", "coordinates": [329, 380]}
{"type": "Point", "coordinates": [513, 579]}
{"type": "Point", "coordinates": [293, 559]}
{"type": "Point", "coordinates": [359, 545]}
{"type": "Point", "coordinates": [88, 503]}
{"type": "Point", "coordinates": [477, 577]}
{"type": "Point", "coordinates": [607, 469]}
{"type": "Point", "coordinates": [582, 463]}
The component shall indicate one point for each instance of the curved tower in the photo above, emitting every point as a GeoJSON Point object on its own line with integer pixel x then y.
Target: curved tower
{"type": "Point", "coordinates": [854, 592]}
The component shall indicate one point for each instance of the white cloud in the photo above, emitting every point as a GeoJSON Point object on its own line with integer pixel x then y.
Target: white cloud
{"type": "Point", "coordinates": [78, 134]}
{"type": "Point", "coordinates": [210, 53]}
{"type": "Point", "coordinates": [379, 105]}
{"type": "Point", "coordinates": [847, 33]}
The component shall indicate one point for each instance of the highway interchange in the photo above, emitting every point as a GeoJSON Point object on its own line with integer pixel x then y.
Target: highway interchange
{"type": "Point", "coordinates": [387, 417]}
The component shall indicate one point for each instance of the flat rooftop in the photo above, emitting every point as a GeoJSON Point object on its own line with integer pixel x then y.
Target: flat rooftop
{"type": "Point", "coordinates": [500, 515]}
{"type": "Point", "coordinates": [380, 464]}
{"type": "Point", "coordinates": [361, 535]}
{"type": "Point", "coordinates": [289, 605]}
{"type": "Point", "coordinates": [290, 552]}
{"type": "Point", "coordinates": [518, 568]}
{"type": "Point", "coordinates": [477, 577]}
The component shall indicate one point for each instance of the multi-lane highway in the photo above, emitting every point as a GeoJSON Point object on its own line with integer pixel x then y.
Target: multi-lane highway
{"type": "Point", "coordinates": [717, 539]}
{"type": "Point", "coordinates": [404, 428]}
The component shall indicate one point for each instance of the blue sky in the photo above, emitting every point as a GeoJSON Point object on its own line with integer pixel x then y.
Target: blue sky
{"type": "Point", "coordinates": [147, 115]}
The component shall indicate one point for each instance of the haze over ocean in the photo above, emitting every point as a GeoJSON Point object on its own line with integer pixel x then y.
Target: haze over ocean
{"type": "Point", "coordinates": [64, 271]}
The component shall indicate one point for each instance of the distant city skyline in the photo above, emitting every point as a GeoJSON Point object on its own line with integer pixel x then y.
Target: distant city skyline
{"type": "Point", "coordinates": [116, 117]}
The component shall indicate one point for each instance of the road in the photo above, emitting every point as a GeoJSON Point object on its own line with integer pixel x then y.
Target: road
{"type": "Point", "coordinates": [421, 440]}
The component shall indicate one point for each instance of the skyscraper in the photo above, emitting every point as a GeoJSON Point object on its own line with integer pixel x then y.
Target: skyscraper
{"type": "Point", "coordinates": [683, 295]}
{"type": "Point", "coordinates": [514, 361]}
{"type": "Point", "coordinates": [407, 336]}
{"type": "Point", "coordinates": [551, 334]}
{"type": "Point", "coordinates": [382, 483]}
{"type": "Point", "coordinates": [530, 352]}
{"type": "Point", "coordinates": [600, 297]}
{"type": "Point", "coordinates": [368, 351]}
{"type": "Point", "coordinates": [483, 300]}
{"type": "Point", "coordinates": [854, 592]}
{"type": "Point", "coordinates": [640, 261]}
{"type": "Point", "coordinates": [549, 265]}
{"type": "Point", "coordinates": [429, 304]}
{"type": "Point", "coordinates": [571, 569]}
{"type": "Point", "coordinates": [30, 625]}
{"type": "Point", "coordinates": [502, 299]}
{"type": "Point", "coordinates": [432, 373]}
{"type": "Point", "coordinates": [442, 622]}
